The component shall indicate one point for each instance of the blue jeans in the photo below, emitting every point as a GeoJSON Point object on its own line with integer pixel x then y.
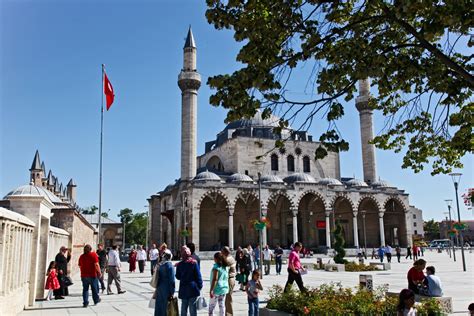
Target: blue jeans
{"type": "Point", "coordinates": [153, 265]}
{"type": "Point", "coordinates": [94, 284]}
{"type": "Point", "coordinates": [253, 306]}
{"type": "Point", "coordinates": [191, 303]}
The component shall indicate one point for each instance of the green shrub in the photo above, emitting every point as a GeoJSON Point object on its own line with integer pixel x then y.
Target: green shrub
{"type": "Point", "coordinates": [339, 244]}
{"type": "Point", "coordinates": [354, 267]}
{"type": "Point", "coordinates": [333, 299]}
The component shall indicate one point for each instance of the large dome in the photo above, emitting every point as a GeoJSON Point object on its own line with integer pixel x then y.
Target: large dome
{"type": "Point", "coordinates": [255, 121]}
{"type": "Point", "coordinates": [300, 177]}
{"type": "Point", "coordinates": [207, 176]}
{"type": "Point", "coordinates": [33, 190]}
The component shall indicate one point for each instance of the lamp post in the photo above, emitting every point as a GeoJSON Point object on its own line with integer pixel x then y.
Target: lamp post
{"type": "Point", "coordinates": [147, 226]}
{"type": "Point", "coordinates": [449, 203]}
{"type": "Point", "coordinates": [260, 232]}
{"type": "Point", "coordinates": [365, 236]}
{"type": "Point", "coordinates": [447, 232]}
{"type": "Point", "coordinates": [456, 177]}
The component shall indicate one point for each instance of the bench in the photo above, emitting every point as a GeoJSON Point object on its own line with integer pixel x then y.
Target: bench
{"type": "Point", "coordinates": [334, 267]}
{"type": "Point", "coordinates": [385, 265]}
{"type": "Point", "coordinates": [445, 302]}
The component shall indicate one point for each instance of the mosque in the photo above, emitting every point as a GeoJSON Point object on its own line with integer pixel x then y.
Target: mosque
{"type": "Point", "coordinates": [221, 192]}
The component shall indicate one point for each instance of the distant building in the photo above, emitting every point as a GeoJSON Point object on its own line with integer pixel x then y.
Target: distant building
{"type": "Point", "coordinates": [468, 234]}
{"type": "Point", "coordinates": [416, 221]}
{"type": "Point", "coordinates": [111, 231]}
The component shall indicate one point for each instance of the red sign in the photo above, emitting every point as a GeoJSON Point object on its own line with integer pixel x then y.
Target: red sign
{"type": "Point", "coordinates": [320, 224]}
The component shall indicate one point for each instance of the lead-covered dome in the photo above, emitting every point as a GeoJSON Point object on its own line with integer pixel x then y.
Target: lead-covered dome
{"type": "Point", "coordinates": [357, 183]}
{"type": "Point", "coordinates": [329, 181]}
{"type": "Point", "coordinates": [33, 190]}
{"type": "Point", "coordinates": [207, 176]}
{"type": "Point", "coordinates": [255, 121]}
{"type": "Point", "coordinates": [381, 184]}
{"type": "Point", "coordinates": [271, 179]}
{"type": "Point", "coordinates": [238, 177]}
{"type": "Point", "coordinates": [300, 178]}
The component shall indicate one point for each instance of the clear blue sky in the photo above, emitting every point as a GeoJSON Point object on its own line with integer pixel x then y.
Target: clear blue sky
{"type": "Point", "coordinates": [51, 52]}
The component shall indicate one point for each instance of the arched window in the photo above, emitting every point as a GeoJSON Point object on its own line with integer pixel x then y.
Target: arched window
{"type": "Point", "coordinates": [274, 162]}
{"type": "Point", "coordinates": [290, 161]}
{"type": "Point", "coordinates": [306, 164]}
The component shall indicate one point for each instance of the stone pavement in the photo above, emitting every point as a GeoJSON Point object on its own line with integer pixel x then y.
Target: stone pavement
{"type": "Point", "coordinates": [457, 284]}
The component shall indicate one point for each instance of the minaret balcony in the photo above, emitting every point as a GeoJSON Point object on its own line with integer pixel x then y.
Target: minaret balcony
{"type": "Point", "coordinates": [189, 80]}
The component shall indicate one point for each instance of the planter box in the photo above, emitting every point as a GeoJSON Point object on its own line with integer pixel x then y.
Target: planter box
{"type": "Point", "coordinates": [263, 311]}
{"type": "Point", "coordinates": [334, 267]}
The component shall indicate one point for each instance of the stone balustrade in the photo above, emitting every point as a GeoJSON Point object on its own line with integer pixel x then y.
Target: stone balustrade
{"type": "Point", "coordinates": [16, 242]}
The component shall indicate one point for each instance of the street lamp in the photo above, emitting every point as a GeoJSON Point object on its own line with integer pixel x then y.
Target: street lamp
{"type": "Point", "coordinates": [449, 203]}
{"type": "Point", "coordinates": [456, 178]}
{"type": "Point", "coordinates": [365, 236]}
{"type": "Point", "coordinates": [447, 232]}
{"type": "Point", "coordinates": [147, 225]}
{"type": "Point", "coordinates": [260, 232]}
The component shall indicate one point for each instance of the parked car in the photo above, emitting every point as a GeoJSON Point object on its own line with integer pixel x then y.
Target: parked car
{"type": "Point", "coordinates": [443, 243]}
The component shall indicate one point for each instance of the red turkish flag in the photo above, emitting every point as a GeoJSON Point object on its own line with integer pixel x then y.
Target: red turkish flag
{"type": "Point", "coordinates": [108, 91]}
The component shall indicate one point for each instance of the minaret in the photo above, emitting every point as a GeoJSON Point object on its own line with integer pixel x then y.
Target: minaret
{"type": "Point", "coordinates": [71, 191]}
{"type": "Point", "coordinates": [189, 82]}
{"type": "Point", "coordinates": [366, 131]}
{"type": "Point", "coordinates": [36, 171]}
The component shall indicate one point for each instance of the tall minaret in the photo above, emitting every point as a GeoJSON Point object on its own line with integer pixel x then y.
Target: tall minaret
{"type": "Point", "coordinates": [366, 131]}
{"type": "Point", "coordinates": [189, 82]}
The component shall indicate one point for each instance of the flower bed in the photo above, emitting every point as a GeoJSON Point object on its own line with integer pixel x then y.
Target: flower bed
{"type": "Point", "coordinates": [354, 267]}
{"type": "Point", "coordinates": [333, 299]}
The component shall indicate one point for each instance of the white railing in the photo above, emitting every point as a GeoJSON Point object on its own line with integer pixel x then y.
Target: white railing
{"type": "Point", "coordinates": [57, 237]}
{"type": "Point", "coordinates": [16, 239]}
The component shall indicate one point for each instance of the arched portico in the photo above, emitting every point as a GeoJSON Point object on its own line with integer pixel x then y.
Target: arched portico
{"type": "Point", "coordinates": [312, 221]}
{"type": "Point", "coordinates": [395, 226]}
{"type": "Point", "coordinates": [213, 222]}
{"type": "Point", "coordinates": [343, 212]}
{"type": "Point", "coordinates": [245, 211]}
{"type": "Point", "coordinates": [368, 219]}
{"type": "Point", "coordinates": [279, 212]}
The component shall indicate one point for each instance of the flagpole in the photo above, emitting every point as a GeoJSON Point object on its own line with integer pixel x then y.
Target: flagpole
{"type": "Point", "coordinates": [100, 160]}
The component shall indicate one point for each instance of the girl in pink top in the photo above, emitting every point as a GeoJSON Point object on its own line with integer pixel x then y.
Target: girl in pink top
{"type": "Point", "coordinates": [295, 268]}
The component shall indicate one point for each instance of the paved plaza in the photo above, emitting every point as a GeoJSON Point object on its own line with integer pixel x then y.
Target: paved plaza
{"type": "Point", "coordinates": [457, 284]}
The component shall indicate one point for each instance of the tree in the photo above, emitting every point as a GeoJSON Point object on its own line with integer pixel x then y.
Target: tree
{"type": "Point", "coordinates": [413, 52]}
{"type": "Point", "coordinates": [126, 215]}
{"type": "Point", "coordinates": [339, 243]}
{"type": "Point", "coordinates": [431, 229]}
{"type": "Point", "coordinates": [105, 214]}
{"type": "Point", "coordinates": [137, 229]}
{"type": "Point", "coordinates": [91, 210]}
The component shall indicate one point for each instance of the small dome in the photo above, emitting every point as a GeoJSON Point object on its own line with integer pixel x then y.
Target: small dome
{"type": "Point", "coordinates": [207, 176]}
{"type": "Point", "coordinates": [238, 177]}
{"type": "Point", "coordinates": [382, 184]}
{"type": "Point", "coordinates": [356, 183]}
{"type": "Point", "coordinates": [329, 181]}
{"type": "Point", "coordinates": [33, 190]}
{"type": "Point", "coordinates": [271, 179]}
{"type": "Point", "coordinates": [300, 177]}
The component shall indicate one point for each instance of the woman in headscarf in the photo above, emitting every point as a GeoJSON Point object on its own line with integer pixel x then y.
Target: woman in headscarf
{"type": "Point", "coordinates": [165, 288]}
{"type": "Point", "coordinates": [244, 267]}
{"type": "Point", "coordinates": [132, 260]}
{"type": "Point", "coordinates": [190, 282]}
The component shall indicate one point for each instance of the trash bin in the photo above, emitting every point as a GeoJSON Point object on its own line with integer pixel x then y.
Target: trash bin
{"type": "Point", "coordinates": [366, 282]}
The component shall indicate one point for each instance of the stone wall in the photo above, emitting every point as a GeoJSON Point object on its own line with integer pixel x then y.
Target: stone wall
{"type": "Point", "coordinates": [82, 234]}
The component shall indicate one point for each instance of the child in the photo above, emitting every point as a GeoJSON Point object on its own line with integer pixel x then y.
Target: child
{"type": "Point", "coordinates": [52, 282]}
{"type": "Point", "coordinates": [252, 288]}
{"type": "Point", "coordinates": [406, 301]}
{"type": "Point", "coordinates": [219, 284]}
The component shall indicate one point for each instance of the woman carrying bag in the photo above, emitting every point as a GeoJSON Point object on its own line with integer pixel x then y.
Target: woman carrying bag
{"type": "Point", "coordinates": [190, 282]}
{"type": "Point", "coordinates": [165, 288]}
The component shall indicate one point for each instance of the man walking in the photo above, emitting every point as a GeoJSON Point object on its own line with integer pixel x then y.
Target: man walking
{"type": "Point", "coordinates": [141, 257]}
{"type": "Point", "coordinates": [388, 253]}
{"type": "Point", "coordinates": [154, 255]}
{"type": "Point", "coordinates": [398, 251]}
{"type": "Point", "coordinates": [231, 263]}
{"type": "Point", "coordinates": [113, 269]}
{"type": "Point", "coordinates": [295, 269]}
{"type": "Point", "coordinates": [381, 252]}
{"type": "Point", "coordinates": [267, 259]}
{"type": "Point", "coordinates": [102, 255]}
{"type": "Point", "coordinates": [90, 271]}
{"type": "Point", "coordinates": [278, 259]}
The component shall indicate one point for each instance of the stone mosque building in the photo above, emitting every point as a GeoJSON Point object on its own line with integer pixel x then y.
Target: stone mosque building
{"type": "Point", "coordinates": [218, 193]}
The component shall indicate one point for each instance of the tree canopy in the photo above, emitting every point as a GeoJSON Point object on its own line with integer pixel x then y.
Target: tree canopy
{"type": "Point", "coordinates": [414, 52]}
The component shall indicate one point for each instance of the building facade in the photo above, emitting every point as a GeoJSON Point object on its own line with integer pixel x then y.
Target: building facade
{"type": "Point", "coordinates": [221, 192]}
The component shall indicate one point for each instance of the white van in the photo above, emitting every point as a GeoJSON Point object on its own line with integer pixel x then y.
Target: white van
{"type": "Point", "coordinates": [444, 243]}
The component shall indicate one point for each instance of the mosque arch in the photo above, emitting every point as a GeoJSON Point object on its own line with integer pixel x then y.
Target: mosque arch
{"type": "Point", "coordinates": [394, 219]}
{"type": "Point", "coordinates": [279, 212]}
{"type": "Point", "coordinates": [246, 209]}
{"type": "Point", "coordinates": [215, 164]}
{"type": "Point", "coordinates": [343, 209]}
{"type": "Point", "coordinates": [368, 210]}
{"type": "Point", "coordinates": [312, 220]}
{"type": "Point", "coordinates": [213, 221]}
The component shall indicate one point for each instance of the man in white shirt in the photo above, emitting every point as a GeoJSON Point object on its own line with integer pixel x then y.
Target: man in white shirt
{"type": "Point", "coordinates": [154, 255]}
{"type": "Point", "coordinates": [141, 257]}
{"type": "Point", "coordinates": [267, 259]}
{"type": "Point", "coordinates": [113, 269]}
{"type": "Point", "coordinates": [434, 283]}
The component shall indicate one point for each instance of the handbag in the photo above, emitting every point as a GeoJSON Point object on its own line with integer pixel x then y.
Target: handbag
{"type": "Point", "coordinates": [201, 303]}
{"type": "Point", "coordinates": [154, 279]}
{"type": "Point", "coordinates": [152, 303]}
{"type": "Point", "coordinates": [172, 308]}
{"type": "Point", "coordinates": [67, 281]}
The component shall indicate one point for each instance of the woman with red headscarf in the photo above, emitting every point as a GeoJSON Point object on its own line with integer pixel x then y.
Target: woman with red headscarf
{"type": "Point", "coordinates": [190, 282]}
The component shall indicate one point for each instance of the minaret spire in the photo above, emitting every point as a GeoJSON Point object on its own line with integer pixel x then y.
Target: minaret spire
{"type": "Point", "coordinates": [36, 171]}
{"type": "Point", "coordinates": [366, 131]}
{"type": "Point", "coordinates": [189, 82]}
